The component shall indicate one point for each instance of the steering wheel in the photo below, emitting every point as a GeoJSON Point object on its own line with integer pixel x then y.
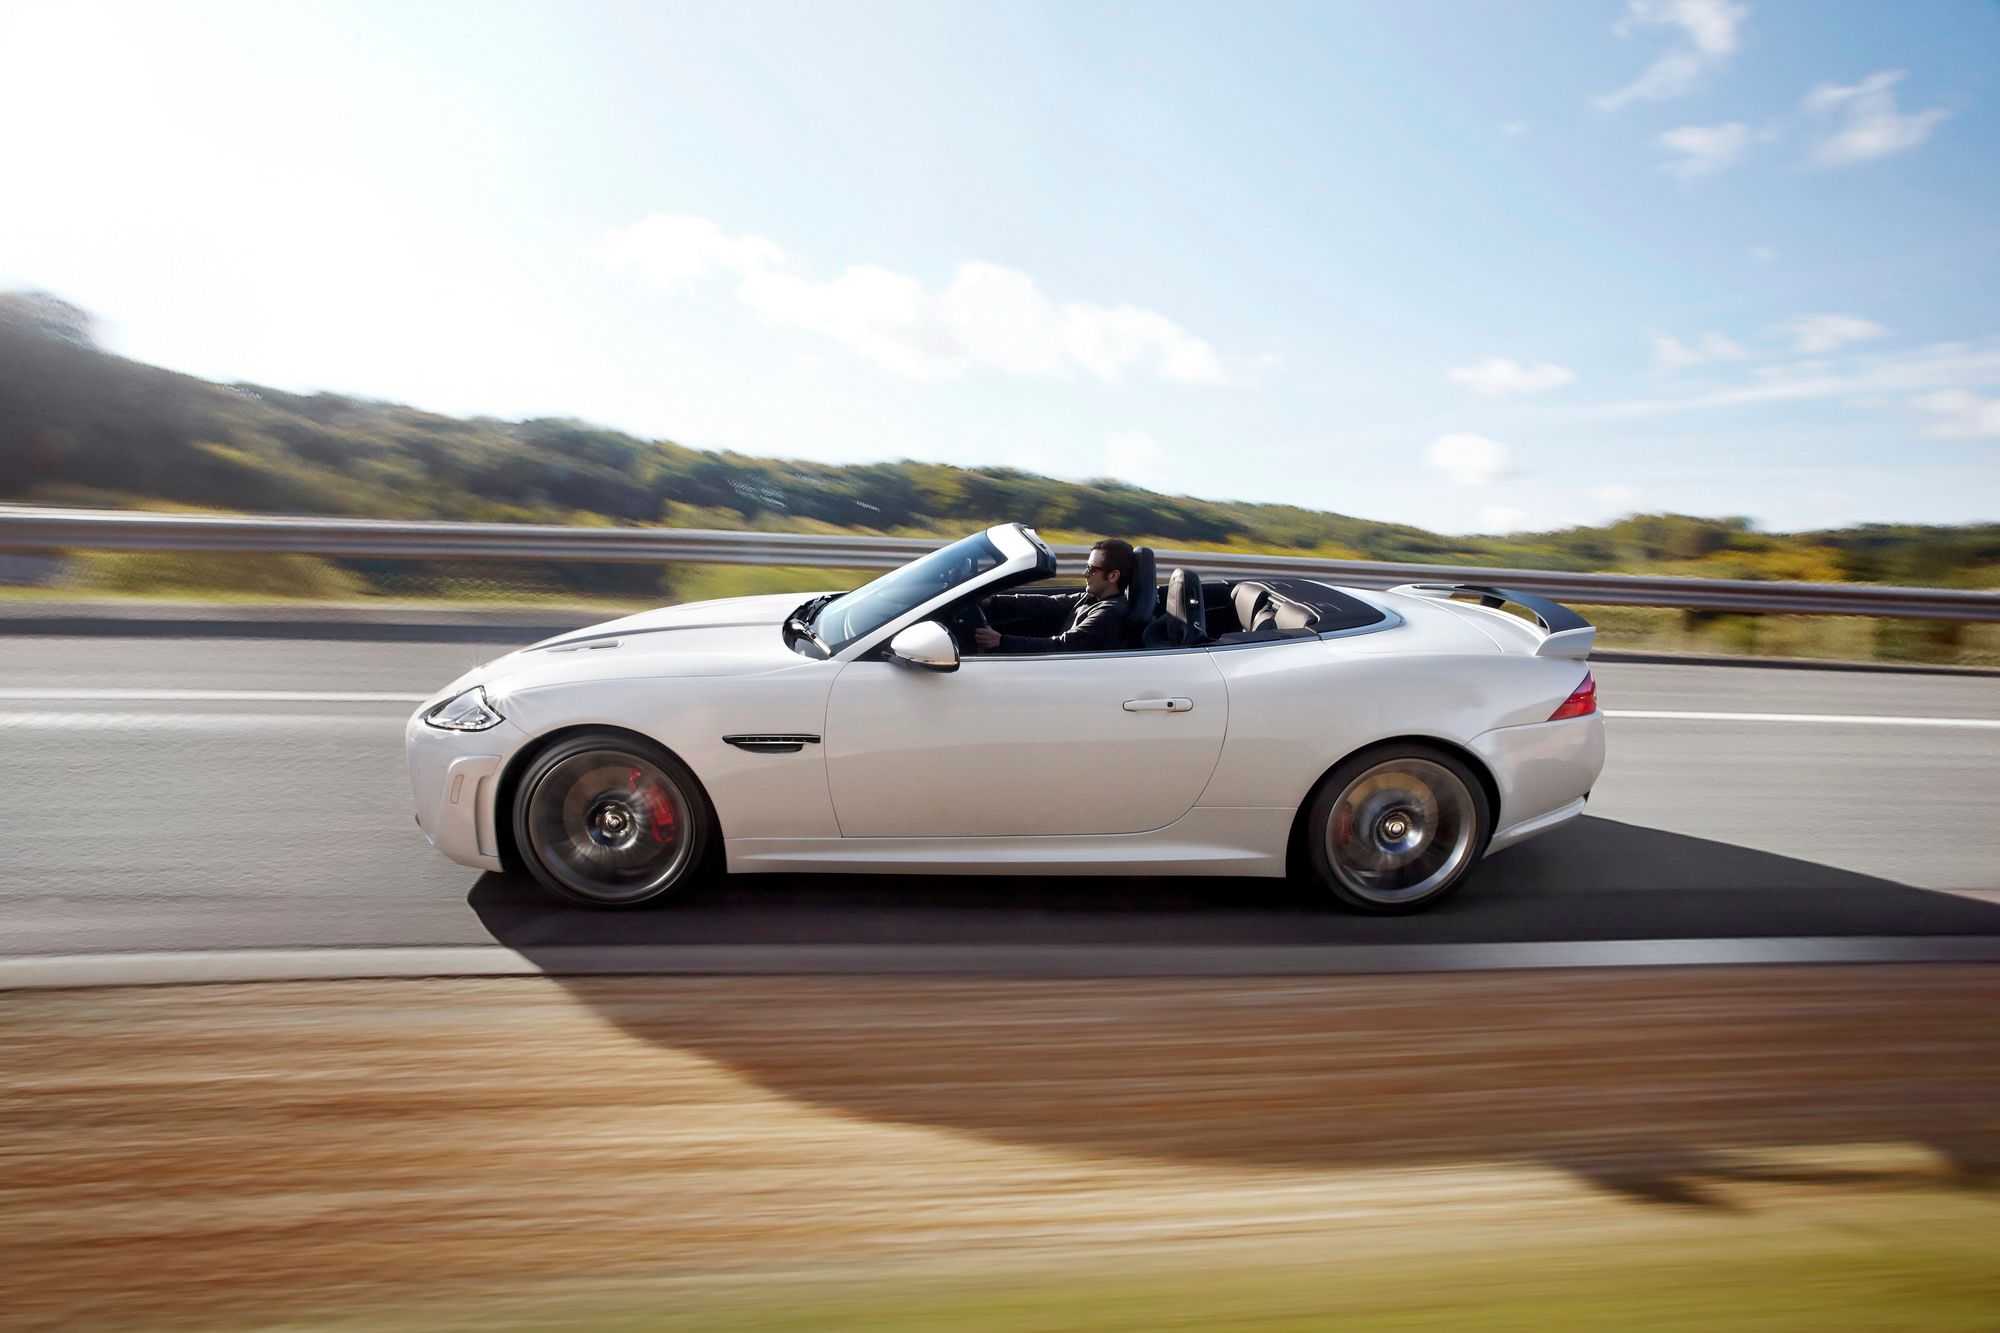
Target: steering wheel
{"type": "Point", "coordinates": [962, 622]}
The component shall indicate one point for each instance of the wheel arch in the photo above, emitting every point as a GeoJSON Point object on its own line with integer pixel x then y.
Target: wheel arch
{"type": "Point", "coordinates": [524, 758]}
{"type": "Point", "coordinates": [1295, 844]}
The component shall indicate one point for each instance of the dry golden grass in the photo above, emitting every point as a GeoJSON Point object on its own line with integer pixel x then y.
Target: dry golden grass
{"type": "Point", "coordinates": [236, 1155]}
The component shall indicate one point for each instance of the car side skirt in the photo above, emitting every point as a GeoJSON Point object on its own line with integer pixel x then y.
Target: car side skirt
{"type": "Point", "coordinates": [1208, 840]}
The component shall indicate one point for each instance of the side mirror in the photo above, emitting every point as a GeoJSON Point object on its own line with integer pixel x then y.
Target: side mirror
{"type": "Point", "coordinates": [925, 646]}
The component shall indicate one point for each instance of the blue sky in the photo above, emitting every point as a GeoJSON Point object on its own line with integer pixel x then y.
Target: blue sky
{"type": "Point", "coordinates": [1477, 267]}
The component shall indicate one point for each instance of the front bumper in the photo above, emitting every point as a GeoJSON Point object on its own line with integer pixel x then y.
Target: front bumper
{"type": "Point", "coordinates": [453, 777]}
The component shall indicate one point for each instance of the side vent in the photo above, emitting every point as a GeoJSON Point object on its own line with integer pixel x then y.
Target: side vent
{"type": "Point", "coordinates": [772, 744]}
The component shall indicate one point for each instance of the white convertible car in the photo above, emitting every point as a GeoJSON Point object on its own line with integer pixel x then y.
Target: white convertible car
{"type": "Point", "coordinates": [1379, 743]}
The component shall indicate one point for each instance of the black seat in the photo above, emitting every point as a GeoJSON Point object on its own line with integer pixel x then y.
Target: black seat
{"type": "Point", "coordinates": [1184, 624]}
{"type": "Point", "coordinates": [1142, 596]}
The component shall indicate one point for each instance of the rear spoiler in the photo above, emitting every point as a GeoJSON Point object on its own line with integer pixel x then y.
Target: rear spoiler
{"type": "Point", "coordinates": [1565, 633]}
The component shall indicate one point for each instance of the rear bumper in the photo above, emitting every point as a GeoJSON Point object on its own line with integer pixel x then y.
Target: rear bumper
{"type": "Point", "coordinates": [1544, 771]}
{"type": "Point", "coordinates": [1527, 829]}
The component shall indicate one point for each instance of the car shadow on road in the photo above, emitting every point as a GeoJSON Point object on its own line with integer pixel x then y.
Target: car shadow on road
{"type": "Point", "coordinates": [1672, 1087]}
{"type": "Point", "coordinates": [1596, 880]}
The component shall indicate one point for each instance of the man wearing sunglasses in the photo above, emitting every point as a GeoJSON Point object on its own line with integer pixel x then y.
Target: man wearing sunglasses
{"type": "Point", "coordinates": [1091, 621]}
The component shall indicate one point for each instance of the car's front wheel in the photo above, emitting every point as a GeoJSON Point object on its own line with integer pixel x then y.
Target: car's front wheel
{"type": "Point", "coordinates": [610, 821]}
{"type": "Point", "coordinates": [1395, 830]}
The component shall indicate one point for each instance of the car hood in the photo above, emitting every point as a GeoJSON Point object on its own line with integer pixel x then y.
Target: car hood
{"type": "Point", "coordinates": [736, 636]}
{"type": "Point", "coordinates": [728, 612]}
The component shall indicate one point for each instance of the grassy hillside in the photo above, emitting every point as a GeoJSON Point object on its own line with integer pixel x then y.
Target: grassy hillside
{"type": "Point", "coordinates": [80, 426]}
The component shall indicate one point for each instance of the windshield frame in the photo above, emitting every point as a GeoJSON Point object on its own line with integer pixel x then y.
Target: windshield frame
{"type": "Point", "coordinates": [904, 589]}
{"type": "Point", "coordinates": [1020, 553]}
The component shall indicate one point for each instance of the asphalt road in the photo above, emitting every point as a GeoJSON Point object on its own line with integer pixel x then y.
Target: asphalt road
{"type": "Point", "coordinates": [264, 822]}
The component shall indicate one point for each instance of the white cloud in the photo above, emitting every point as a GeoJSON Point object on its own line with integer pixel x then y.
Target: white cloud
{"type": "Point", "coordinates": [1709, 29]}
{"type": "Point", "coordinates": [1710, 24]}
{"type": "Point", "coordinates": [1939, 368]}
{"type": "Point", "coordinates": [1671, 354]}
{"type": "Point", "coordinates": [1501, 519]}
{"type": "Point", "coordinates": [1812, 334]}
{"type": "Point", "coordinates": [1469, 460]}
{"type": "Point", "coordinates": [1617, 496]}
{"type": "Point", "coordinates": [989, 317]}
{"type": "Point", "coordinates": [1871, 125]}
{"type": "Point", "coordinates": [886, 317]}
{"type": "Point", "coordinates": [1002, 320]}
{"type": "Point", "coordinates": [1133, 456]}
{"type": "Point", "coordinates": [1513, 129]}
{"type": "Point", "coordinates": [1497, 376]}
{"type": "Point", "coordinates": [1763, 254]}
{"type": "Point", "coordinates": [1704, 148]}
{"type": "Point", "coordinates": [672, 248]}
{"type": "Point", "coordinates": [1106, 340]}
{"type": "Point", "coordinates": [1960, 414]}
{"type": "Point", "coordinates": [1792, 369]}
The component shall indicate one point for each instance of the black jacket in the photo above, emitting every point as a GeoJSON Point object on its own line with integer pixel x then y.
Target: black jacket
{"type": "Point", "coordinates": [1087, 626]}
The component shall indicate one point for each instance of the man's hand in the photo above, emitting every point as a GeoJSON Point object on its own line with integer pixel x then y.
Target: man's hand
{"type": "Point", "coordinates": [986, 637]}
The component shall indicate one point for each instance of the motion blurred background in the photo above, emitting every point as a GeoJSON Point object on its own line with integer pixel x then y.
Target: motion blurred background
{"type": "Point", "coordinates": [1699, 288]}
{"type": "Point", "coordinates": [1687, 286]}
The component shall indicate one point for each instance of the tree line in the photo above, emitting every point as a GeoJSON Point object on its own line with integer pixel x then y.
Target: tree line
{"type": "Point", "coordinates": [81, 426]}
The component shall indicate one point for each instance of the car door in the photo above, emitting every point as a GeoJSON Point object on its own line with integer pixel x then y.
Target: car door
{"type": "Point", "coordinates": [1012, 746]}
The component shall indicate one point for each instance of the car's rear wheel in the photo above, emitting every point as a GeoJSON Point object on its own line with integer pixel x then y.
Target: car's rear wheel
{"type": "Point", "coordinates": [1396, 830]}
{"type": "Point", "coordinates": [610, 821]}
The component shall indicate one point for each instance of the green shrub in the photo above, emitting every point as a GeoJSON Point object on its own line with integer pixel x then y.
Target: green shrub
{"type": "Point", "coordinates": [214, 574]}
{"type": "Point", "coordinates": [701, 583]}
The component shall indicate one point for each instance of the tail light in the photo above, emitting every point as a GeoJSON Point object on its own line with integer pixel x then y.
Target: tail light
{"type": "Point", "coordinates": [1581, 702]}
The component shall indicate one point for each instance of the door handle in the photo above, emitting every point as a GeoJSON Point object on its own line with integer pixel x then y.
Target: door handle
{"type": "Point", "coordinates": [1158, 705]}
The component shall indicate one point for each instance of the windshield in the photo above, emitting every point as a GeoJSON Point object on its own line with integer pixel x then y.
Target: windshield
{"type": "Point", "coordinates": [873, 605]}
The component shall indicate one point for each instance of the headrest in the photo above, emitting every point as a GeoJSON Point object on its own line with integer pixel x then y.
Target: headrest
{"type": "Point", "coordinates": [1185, 624]}
{"type": "Point", "coordinates": [1250, 598]}
{"type": "Point", "coordinates": [1184, 601]}
{"type": "Point", "coordinates": [1142, 588]}
{"type": "Point", "coordinates": [1291, 614]}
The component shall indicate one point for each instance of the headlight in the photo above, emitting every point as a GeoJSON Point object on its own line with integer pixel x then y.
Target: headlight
{"type": "Point", "coordinates": [465, 712]}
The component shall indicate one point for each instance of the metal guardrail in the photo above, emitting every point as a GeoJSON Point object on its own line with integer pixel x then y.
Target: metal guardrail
{"type": "Point", "coordinates": [24, 528]}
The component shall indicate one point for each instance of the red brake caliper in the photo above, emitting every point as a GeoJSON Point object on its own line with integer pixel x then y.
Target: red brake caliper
{"type": "Point", "coordinates": [657, 806]}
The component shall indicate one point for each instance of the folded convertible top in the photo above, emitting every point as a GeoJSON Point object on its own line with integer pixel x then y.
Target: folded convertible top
{"type": "Point", "coordinates": [1564, 632]}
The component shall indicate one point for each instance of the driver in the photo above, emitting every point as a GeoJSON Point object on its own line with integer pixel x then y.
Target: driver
{"type": "Point", "coordinates": [1093, 620]}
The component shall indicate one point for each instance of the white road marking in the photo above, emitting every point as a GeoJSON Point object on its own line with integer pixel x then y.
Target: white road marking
{"type": "Point", "coordinates": [207, 696]}
{"type": "Point", "coordinates": [24, 720]}
{"type": "Point", "coordinates": [1823, 719]}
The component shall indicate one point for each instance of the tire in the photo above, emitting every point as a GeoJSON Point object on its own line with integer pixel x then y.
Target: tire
{"type": "Point", "coordinates": [1397, 829]}
{"type": "Point", "coordinates": [610, 821]}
